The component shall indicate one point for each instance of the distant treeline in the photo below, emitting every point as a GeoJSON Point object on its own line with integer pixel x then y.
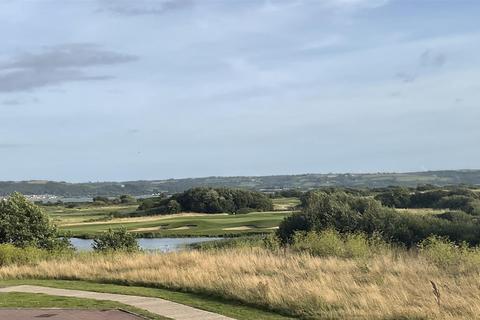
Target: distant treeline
{"type": "Point", "coordinates": [454, 199]}
{"type": "Point", "coordinates": [96, 201]}
{"type": "Point", "coordinates": [209, 200]}
{"type": "Point", "coordinates": [266, 183]}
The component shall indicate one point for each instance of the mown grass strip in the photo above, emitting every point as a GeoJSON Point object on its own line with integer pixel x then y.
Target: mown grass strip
{"type": "Point", "coordinates": [204, 302]}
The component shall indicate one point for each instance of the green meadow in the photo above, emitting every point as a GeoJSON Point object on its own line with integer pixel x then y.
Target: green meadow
{"type": "Point", "coordinates": [185, 224]}
{"type": "Point", "coordinates": [88, 220]}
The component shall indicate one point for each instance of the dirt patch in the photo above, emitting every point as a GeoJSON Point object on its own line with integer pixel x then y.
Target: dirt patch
{"type": "Point", "coordinates": [147, 229]}
{"type": "Point", "coordinates": [241, 228]}
{"type": "Point", "coordinates": [181, 228]}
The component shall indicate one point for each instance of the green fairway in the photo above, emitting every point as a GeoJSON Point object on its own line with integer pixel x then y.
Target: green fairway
{"type": "Point", "coordinates": [35, 300]}
{"type": "Point", "coordinates": [217, 305]}
{"type": "Point", "coordinates": [85, 213]}
{"type": "Point", "coordinates": [186, 225]}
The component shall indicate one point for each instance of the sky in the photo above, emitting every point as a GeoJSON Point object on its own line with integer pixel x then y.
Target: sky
{"type": "Point", "coordinates": [114, 90]}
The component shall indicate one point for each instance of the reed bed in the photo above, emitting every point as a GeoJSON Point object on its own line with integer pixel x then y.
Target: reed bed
{"type": "Point", "coordinates": [386, 286]}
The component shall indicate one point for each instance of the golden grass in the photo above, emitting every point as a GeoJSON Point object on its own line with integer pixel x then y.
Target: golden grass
{"type": "Point", "coordinates": [383, 287]}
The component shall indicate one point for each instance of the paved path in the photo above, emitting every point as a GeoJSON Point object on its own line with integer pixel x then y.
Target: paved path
{"type": "Point", "coordinates": [158, 306]}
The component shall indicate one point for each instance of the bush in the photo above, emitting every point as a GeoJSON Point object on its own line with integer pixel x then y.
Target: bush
{"type": "Point", "coordinates": [24, 224]}
{"type": "Point", "coordinates": [332, 243]}
{"type": "Point", "coordinates": [116, 240]}
{"type": "Point", "coordinates": [9, 254]}
{"type": "Point", "coordinates": [173, 207]}
{"type": "Point", "coordinates": [271, 242]}
{"type": "Point", "coordinates": [396, 197]}
{"type": "Point", "coordinates": [457, 216]}
{"type": "Point", "coordinates": [326, 243]}
{"type": "Point", "coordinates": [127, 199]}
{"type": "Point", "coordinates": [450, 256]}
{"type": "Point", "coordinates": [460, 202]}
{"type": "Point", "coordinates": [348, 214]}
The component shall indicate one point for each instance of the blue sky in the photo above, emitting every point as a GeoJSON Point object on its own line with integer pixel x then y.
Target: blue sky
{"type": "Point", "coordinates": [123, 90]}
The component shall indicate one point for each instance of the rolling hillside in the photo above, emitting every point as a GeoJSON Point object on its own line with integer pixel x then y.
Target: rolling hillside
{"type": "Point", "coordinates": [266, 183]}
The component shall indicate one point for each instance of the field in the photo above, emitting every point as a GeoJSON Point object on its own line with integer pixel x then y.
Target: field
{"type": "Point", "coordinates": [389, 285]}
{"type": "Point", "coordinates": [285, 203]}
{"type": "Point", "coordinates": [88, 220]}
{"type": "Point", "coordinates": [185, 224]}
{"type": "Point", "coordinates": [86, 213]}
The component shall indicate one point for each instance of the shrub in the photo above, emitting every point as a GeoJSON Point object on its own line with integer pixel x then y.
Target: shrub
{"type": "Point", "coordinates": [24, 224]}
{"type": "Point", "coordinates": [450, 256]}
{"type": "Point", "coordinates": [127, 199]}
{"type": "Point", "coordinates": [326, 243]}
{"type": "Point", "coordinates": [116, 240]}
{"type": "Point", "coordinates": [396, 197]}
{"type": "Point", "coordinates": [346, 214]}
{"type": "Point", "coordinates": [457, 216]}
{"type": "Point", "coordinates": [271, 242]}
{"type": "Point", "coordinates": [9, 254]}
{"type": "Point", "coordinates": [173, 207]}
{"type": "Point", "coordinates": [332, 243]}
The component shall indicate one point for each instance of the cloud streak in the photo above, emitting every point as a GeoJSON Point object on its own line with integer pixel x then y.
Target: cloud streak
{"type": "Point", "coordinates": [11, 145]}
{"type": "Point", "coordinates": [57, 65]}
{"type": "Point", "coordinates": [139, 7]}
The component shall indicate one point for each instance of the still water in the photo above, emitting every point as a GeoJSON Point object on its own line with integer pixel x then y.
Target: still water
{"type": "Point", "coordinates": [160, 244]}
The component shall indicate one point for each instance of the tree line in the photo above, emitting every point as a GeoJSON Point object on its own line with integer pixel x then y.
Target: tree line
{"type": "Point", "coordinates": [348, 213]}
{"type": "Point", "coordinates": [209, 200]}
{"type": "Point", "coordinates": [462, 199]}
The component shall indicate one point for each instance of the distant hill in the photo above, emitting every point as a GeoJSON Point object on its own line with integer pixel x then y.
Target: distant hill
{"type": "Point", "coordinates": [264, 183]}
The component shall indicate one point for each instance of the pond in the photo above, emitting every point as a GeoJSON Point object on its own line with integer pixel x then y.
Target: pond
{"type": "Point", "coordinates": [159, 244]}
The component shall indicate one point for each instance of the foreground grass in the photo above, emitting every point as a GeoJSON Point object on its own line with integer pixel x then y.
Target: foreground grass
{"type": "Point", "coordinates": [386, 286]}
{"type": "Point", "coordinates": [185, 225]}
{"type": "Point", "coordinates": [229, 308]}
{"type": "Point", "coordinates": [31, 300]}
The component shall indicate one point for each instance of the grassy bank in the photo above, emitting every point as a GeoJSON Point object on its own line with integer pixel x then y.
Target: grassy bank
{"type": "Point", "coordinates": [388, 285]}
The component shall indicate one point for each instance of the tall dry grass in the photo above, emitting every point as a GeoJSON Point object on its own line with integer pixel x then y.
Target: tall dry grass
{"type": "Point", "coordinates": [386, 286]}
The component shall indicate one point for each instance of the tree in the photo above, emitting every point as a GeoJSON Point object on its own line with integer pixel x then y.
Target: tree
{"type": "Point", "coordinates": [346, 213]}
{"type": "Point", "coordinates": [23, 224]}
{"type": "Point", "coordinates": [116, 240]}
{"type": "Point", "coordinates": [173, 206]}
{"type": "Point", "coordinates": [397, 197]}
{"type": "Point", "coordinates": [100, 200]}
{"type": "Point", "coordinates": [127, 199]}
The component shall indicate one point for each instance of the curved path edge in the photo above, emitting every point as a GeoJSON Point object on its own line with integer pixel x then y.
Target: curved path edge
{"type": "Point", "coordinates": [158, 306]}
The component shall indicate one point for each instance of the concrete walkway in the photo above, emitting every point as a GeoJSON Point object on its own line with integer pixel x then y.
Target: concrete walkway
{"type": "Point", "coordinates": [158, 306]}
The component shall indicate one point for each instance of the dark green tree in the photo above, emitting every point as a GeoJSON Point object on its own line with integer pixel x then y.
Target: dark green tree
{"type": "Point", "coordinates": [173, 206]}
{"type": "Point", "coordinates": [127, 199]}
{"type": "Point", "coordinates": [23, 224]}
